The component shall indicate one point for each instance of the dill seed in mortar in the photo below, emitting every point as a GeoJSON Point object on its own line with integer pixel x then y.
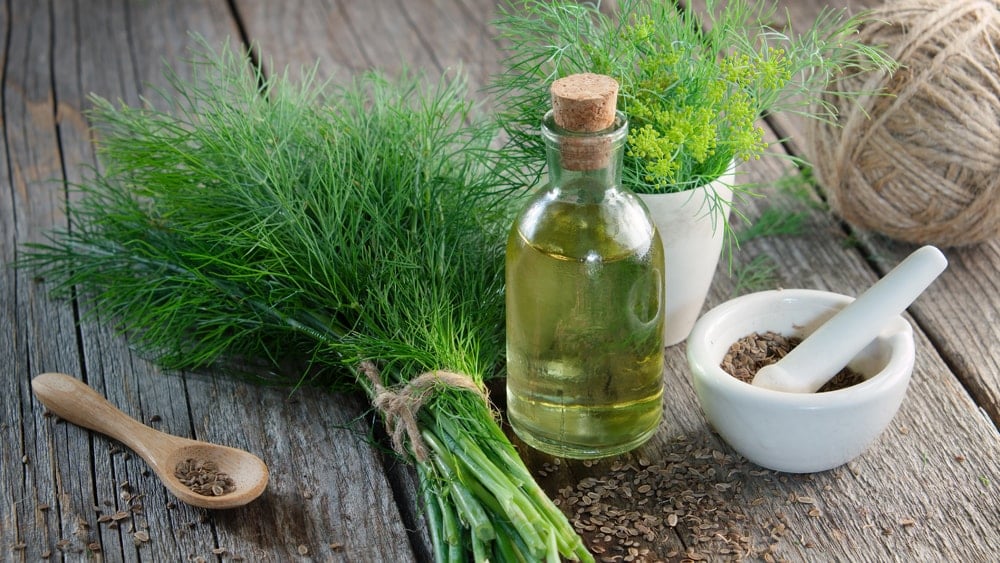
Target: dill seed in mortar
{"type": "Point", "coordinates": [751, 353]}
{"type": "Point", "coordinates": [203, 477]}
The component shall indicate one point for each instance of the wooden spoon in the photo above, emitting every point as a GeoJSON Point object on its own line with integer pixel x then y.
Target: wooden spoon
{"type": "Point", "coordinates": [73, 401]}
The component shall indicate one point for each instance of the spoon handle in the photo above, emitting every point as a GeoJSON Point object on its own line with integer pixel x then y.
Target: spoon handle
{"type": "Point", "coordinates": [75, 402]}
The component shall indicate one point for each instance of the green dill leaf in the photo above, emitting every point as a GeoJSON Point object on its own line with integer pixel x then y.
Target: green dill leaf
{"type": "Point", "coordinates": [694, 83]}
{"type": "Point", "coordinates": [259, 221]}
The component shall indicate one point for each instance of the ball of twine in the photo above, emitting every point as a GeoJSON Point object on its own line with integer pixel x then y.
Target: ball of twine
{"type": "Point", "coordinates": [920, 162]}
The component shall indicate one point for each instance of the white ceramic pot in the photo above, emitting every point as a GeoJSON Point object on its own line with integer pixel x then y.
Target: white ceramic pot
{"type": "Point", "coordinates": [692, 232]}
{"type": "Point", "coordinates": [797, 432]}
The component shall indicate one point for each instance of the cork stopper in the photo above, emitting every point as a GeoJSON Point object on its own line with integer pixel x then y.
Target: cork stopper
{"type": "Point", "coordinates": [585, 103]}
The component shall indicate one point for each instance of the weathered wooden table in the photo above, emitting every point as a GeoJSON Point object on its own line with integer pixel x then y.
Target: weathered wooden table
{"type": "Point", "coordinates": [928, 490]}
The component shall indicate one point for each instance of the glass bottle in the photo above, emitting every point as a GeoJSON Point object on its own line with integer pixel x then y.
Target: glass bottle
{"type": "Point", "coordinates": [584, 273]}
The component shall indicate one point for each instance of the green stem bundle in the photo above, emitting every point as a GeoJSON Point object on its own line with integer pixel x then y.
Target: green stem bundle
{"type": "Point", "coordinates": [343, 225]}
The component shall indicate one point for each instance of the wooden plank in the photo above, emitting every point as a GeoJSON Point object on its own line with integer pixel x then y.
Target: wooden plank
{"type": "Point", "coordinates": [51, 503]}
{"type": "Point", "coordinates": [862, 513]}
{"type": "Point", "coordinates": [38, 328]}
{"type": "Point", "coordinates": [937, 454]}
{"type": "Point", "coordinates": [926, 487]}
{"type": "Point", "coordinates": [343, 38]}
{"type": "Point", "coordinates": [961, 311]}
{"type": "Point", "coordinates": [346, 38]}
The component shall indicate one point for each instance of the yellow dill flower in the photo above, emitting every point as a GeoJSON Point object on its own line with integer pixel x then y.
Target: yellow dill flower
{"type": "Point", "coordinates": [693, 92]}
{"type": "Point", "coordinates": [775, 69]}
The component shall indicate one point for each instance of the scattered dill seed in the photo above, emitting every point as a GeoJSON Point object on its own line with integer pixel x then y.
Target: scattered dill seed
{"type": "Point", "coordinates": [204, 478]}
{"type": "Point", "coordinates": [698, 496]}
{"type": "Point", "coordinates": [749, 354]}
{"type": "Point", "coordinates": [684, 498]}
{"type": "Point", "coordinates": [334, 196]}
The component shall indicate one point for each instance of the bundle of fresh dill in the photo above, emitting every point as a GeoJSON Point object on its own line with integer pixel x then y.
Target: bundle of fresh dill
{"type": "Point", "coordinates": [358, 227]}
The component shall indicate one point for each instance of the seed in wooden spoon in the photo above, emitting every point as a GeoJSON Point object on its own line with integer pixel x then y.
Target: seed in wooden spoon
{"type": "Point", "coordinates": [203, 477]}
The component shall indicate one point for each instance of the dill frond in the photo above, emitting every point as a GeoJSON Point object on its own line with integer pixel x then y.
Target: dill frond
{"type": "Point", "coordinates": [693, 87]}
{"type": "Point", "coordinates": [332, 225]}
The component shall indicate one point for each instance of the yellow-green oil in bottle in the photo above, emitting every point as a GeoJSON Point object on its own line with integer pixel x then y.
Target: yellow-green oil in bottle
{"type": "Point", "coordinates": [584, 321]}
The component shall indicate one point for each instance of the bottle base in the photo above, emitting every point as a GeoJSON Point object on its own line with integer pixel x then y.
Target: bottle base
{"type": "Point", "coordinates": [581, 451]}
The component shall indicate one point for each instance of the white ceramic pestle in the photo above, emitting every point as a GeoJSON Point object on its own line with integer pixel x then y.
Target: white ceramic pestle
{"type": "Point", "coordinates": [832, 346]}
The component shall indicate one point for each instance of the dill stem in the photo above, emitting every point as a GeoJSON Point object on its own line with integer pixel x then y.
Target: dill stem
{"type": "Point", "coordinates": [552, 554]}
{"type": "Point", "coordinates": [511, 466]}
{"type": "Point", "coordinates": [478, 547]}
{"type": "Point", "coordinates": [261, 225]}
{"type": "Point", "coordinates": [516, 505]}
{"type": "Point", "coordinates": [468, 507]}
{"type": "Point", "coordinates": [510, 544]}
{"type": "Point", "coordinates": [432, 512]}
{"type": "Point", "coordinates": [451, 533]}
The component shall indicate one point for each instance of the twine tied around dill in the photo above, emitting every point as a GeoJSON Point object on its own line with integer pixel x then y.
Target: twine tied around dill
{"type": "Point", "coordinates": [917, 159]}
{"type": "Point", "coordinates": [400, 405]}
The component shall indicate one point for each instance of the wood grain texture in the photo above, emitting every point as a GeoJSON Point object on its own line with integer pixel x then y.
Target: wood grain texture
{"type": "Point", "coordinates": [912, 472]}
{"type": "Point", "coordinates": [314, 443]}
{"type": "Point", "coordinates": [960, 312]}
{"type": "Point", "coordinates": [432, 37]}
{"type": "Point", "coordinates": [927, 490]}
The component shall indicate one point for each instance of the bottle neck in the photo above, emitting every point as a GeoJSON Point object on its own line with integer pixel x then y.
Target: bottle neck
{"type": "Point", "coordinates": [585, 159]}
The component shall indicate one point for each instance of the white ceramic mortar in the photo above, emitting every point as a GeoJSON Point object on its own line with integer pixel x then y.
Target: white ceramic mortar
{"type": "Point", "coordinates": [797, 432]}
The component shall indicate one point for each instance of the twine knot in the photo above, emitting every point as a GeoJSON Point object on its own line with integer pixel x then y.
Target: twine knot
{"type": "Point", "coordinates": [400, 405]}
